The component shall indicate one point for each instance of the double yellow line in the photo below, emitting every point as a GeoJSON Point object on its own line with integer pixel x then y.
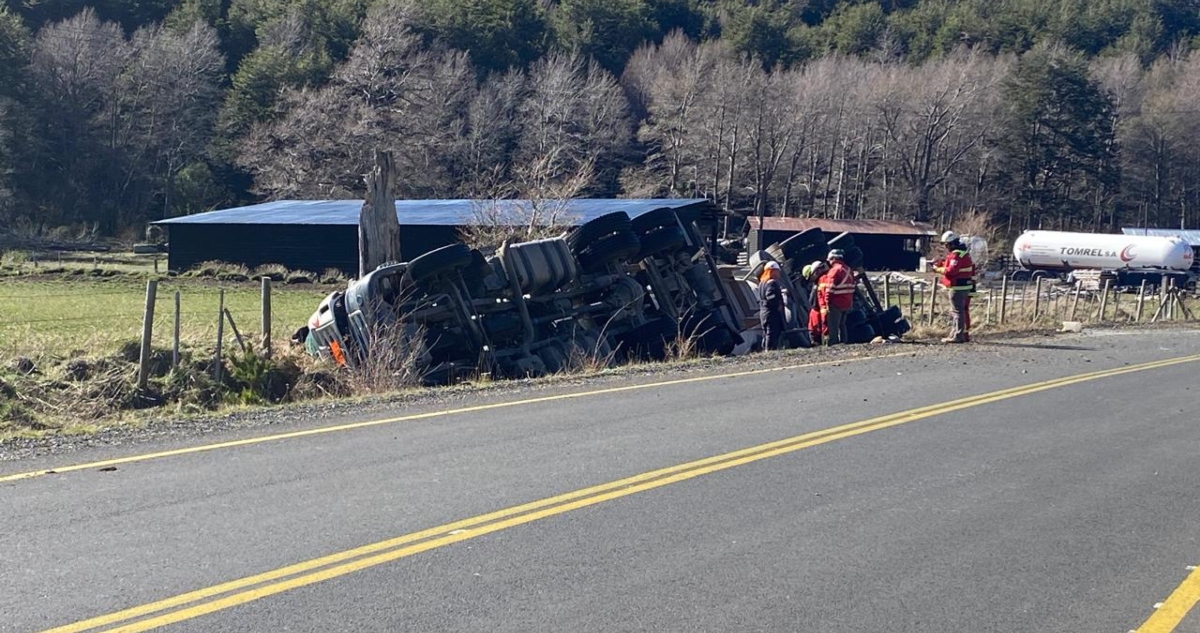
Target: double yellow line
{"type": "Point", "coordinates": [230, 594]}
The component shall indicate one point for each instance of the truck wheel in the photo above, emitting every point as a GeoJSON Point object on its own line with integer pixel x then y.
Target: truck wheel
{"type": "Point", "coordinates": [439, 261]}
{"type": "Point", "coordinates": [651, 220]}
{"type": "Point", "coordinates": [661, 240]}
{"type": "Point", "coordinates": [649, 341]}
{"type": "Point", "coordinates": [793, 246]}
{"type": "Point", "coordinates": [588, 232]}
{"type": "Point", "coordinates": [855, 317]}
{"type": "Point", "coordinates": [854, 257]}
{"type": "Point", "coordinates": [610, 248]}
{"type": "Point", "coordinates": [862, 333]}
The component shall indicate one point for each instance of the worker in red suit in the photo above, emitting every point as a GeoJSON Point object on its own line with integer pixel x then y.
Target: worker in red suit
{"type": "Point", "coordinates": [958, 277]}
{"type": "Point", "coordinates": [816, 322]}
{"type": "Point", "coordinates": [835, 291]}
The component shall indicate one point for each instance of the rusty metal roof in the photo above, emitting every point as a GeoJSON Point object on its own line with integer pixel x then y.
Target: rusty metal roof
{"type": "Point", "coordinates": [867, 227]}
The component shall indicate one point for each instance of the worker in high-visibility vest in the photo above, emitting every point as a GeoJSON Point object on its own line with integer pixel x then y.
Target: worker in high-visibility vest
{"type": "Point", "coordinates": [836, 293]}
{"type": "Point", "coordinates": [816, 321]}
{"type": "Point", "coordinates": [958, 277]}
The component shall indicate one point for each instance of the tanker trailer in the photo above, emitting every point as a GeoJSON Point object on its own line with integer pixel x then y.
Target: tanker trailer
{"type": "Point", "coordinates": [1130, 257]}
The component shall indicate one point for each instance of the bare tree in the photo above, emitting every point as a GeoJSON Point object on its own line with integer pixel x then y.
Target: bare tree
{"type": "Point", "coordinates": [933, 118]}
{"type": "Point", "coordinates": [76, 64]}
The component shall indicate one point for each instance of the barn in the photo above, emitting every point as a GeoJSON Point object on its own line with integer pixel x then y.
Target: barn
{"type": "Point", "coordinates": [320, 234]}
{"type": "Point", "coordinates": [886, 245]}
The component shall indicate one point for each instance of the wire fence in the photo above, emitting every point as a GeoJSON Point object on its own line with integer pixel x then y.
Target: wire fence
{"type": "Point", "coordinates": [1046, 302]}
{"type": "Point", "coordinates": [89, 319]}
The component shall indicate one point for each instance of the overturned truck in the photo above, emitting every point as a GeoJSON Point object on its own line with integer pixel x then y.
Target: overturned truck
{"type": "Point", "coordinates": [611, 290]}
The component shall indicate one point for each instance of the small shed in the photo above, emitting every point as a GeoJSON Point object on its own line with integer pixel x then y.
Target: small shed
{"type": "Point", "coordinates": [320, 234]}
{"type": "Point", "coordinates": [886, 245]}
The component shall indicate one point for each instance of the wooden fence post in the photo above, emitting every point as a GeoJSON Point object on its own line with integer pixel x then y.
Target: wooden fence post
{"type": "Point", "coordinates": [1037, 299]}
{"type": "Point", "coordinates": [1003, 298]}
{"type": "Point", "coordinates": [1075, 299]}
{"type": "Point", "coordinates": [147, 333]}
{"type": "Point", "coordinates": [175, 341]}
{"type": "Point", "coordinates": [991, 297]}
{"type": "Point", "coordinates": [912, 300]}
{"type": "Point", "coordinates": [887, 291]}
{"type": "Point", "coordinates": [266, 317]}
{"type": "Point", "coordinates": [1141, 302]}
{"type": "Point", "coordinates": [220, 335]}
{"type": "Point", "coordinates": [932, 301]}
{"type": "Point", "coordinates": [1104, 300]}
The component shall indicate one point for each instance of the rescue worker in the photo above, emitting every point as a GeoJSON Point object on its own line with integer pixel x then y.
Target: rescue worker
{"type": "Point", "coordinates": [816, 325]}
{"type": "Point", "coordinates": [835, 293]}
{"type": "Point", "coordinates": [772, 300]}
{"type": "Point", "coordinates": [958, 277]}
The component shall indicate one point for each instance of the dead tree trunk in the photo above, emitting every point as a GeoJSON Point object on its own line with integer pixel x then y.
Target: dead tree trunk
{"type": "Point", "coordinates": [378, 227]}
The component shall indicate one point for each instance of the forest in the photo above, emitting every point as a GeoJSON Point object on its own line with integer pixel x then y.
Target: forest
{"type": "Point", "coordinates": [1071, 114]}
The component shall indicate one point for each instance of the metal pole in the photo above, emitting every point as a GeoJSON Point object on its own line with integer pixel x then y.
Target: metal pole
{"type": "Point", "coordinates": [991, 298]}
{"type": "Point", "coordinates": [147, 333]}
{"type": "Point", "coordinates": [912, 300]}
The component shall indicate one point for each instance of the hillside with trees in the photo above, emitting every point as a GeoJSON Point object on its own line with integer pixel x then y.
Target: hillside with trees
{"type": "Point", "coordinates": [1077, 114]}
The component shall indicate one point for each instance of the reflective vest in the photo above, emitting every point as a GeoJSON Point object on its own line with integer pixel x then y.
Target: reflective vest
{"type": "Point", "coordinates": [836, 287]}
{"type": "Point", "coordinates": [958, 271]}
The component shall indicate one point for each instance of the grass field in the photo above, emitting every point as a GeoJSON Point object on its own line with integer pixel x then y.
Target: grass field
{"type": "Point", "coordinates": [63, 317]}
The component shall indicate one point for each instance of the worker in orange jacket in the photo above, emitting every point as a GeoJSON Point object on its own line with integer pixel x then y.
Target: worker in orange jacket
{"type": "Point", "coordinates": [772, 306]}
{"type": "Point", "coordinates": [835, 293]}
{"type": "Point", "coordinates": [958, 277]}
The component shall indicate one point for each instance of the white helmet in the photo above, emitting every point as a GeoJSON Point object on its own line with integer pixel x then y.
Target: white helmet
{"type": "Point", "coordinates": [949, 236]}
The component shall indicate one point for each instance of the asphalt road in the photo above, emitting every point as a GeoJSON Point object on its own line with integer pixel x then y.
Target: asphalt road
{"type": "Point", "coordinates": [1064, 506]}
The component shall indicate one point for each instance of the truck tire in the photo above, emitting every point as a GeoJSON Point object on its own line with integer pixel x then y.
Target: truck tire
{"type": "Point", "coordinates": [651, 220]}
{"type": "Point", "coordinates": [588, 232]}
{"type": "Point", "coordinates": [650, 340]}
{"type": "Point", "coordinates": [439, 261]}
{"type": "Point", "coordinates": [854, 257]}
{"type": "Point", "coordinates": [608, 249]}
{"type": "Point", "coordinates": [793, 246]}
{"type": "Point", "coordinates": [861, 333]}
{"type": "Point", "coordinates": [661, 240]}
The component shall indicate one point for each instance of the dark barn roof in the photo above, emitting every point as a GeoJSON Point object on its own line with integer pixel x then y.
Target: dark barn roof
{"type": "Point", "coordinates": [420, 212]}
{"type": "Point", "coordinates": [857, 227]}
{"type": "Point", "coordinates": [319, 234]}
{"type": "Point", "coordinates": [886, 245]}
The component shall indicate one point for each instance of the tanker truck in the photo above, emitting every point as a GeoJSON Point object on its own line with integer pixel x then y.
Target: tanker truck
{"type": "Point", "coordinates": [1128, 258]}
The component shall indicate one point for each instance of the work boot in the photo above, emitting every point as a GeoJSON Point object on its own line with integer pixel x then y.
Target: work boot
{"type": "Point", "coordinates": [966, 338]}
